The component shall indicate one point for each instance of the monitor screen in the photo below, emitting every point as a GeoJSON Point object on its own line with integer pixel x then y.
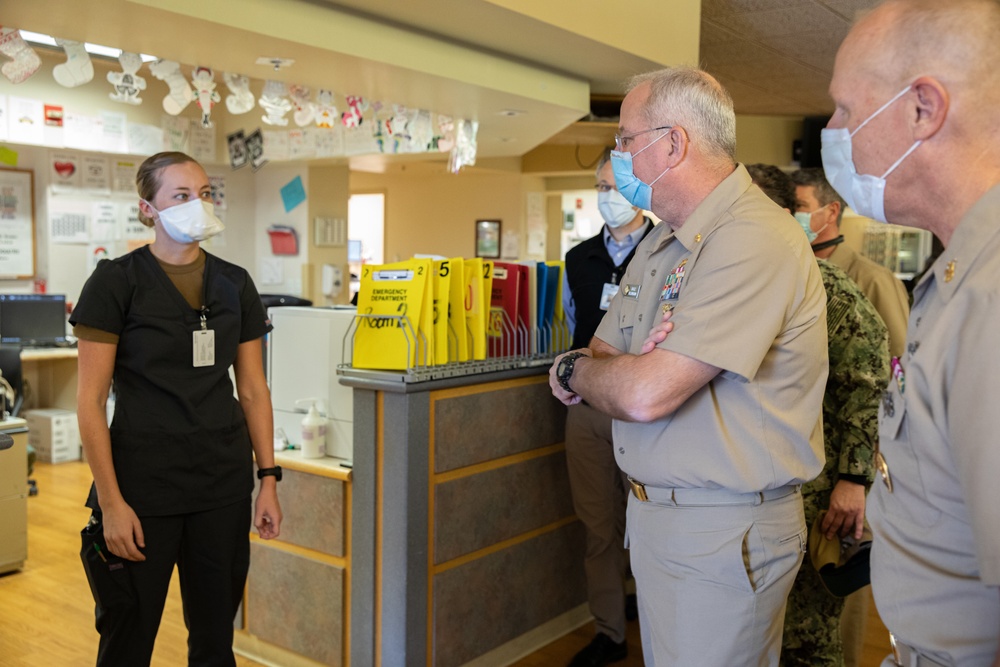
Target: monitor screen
{"type": "Point", "coordinates": [32, 319]}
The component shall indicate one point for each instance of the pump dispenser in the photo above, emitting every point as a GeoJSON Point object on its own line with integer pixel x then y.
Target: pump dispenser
{"type": "Point", "coordinates": [313, 431]}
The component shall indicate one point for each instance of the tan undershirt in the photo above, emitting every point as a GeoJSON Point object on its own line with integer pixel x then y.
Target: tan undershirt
{"type": "Point", "coordinates": [187, 278]}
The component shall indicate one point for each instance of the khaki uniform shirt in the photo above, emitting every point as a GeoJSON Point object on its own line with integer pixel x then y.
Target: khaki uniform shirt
{"type": "Point", "coordinates": [936, 554]}
{"type": "Point", "coordinates": [882, 288]}
{"type": "Point", "coordinates": [748, 299]}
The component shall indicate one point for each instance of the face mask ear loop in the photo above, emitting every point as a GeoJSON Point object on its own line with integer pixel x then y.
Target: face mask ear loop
{"type": "Point", "coordinates": [881, 109]}
{"type": "Point", "coordinates": [896, 163]}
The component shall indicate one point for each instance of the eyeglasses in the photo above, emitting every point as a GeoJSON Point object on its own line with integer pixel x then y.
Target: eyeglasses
{"type": "Point", "coordinates": [622, 142]}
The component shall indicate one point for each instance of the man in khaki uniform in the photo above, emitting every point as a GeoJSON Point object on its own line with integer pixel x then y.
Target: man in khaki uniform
{"type": "Point", "coordinates": [719, 424]}
{"type": "Point", "coordinates": [915, 140]}
{"type": "Point", "coordinates": [815, 196]}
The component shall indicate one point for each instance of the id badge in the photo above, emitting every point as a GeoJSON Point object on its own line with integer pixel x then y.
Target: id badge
{"type": "Point", "coordinates": [610, 289]}
{"type": "Point", "coordinates": [204, 348]}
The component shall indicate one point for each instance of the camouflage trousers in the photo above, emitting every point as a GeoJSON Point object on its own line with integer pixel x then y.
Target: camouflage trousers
{"type": "Point", "coordinates": [812, 618]}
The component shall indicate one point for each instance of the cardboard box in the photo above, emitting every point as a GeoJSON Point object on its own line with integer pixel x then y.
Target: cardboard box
{"type": "Point", "coordinates": [55, 435]}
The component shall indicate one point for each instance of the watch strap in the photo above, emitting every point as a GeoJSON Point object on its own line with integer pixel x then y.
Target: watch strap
{"type": "Point", "coordinates": [270, 472]}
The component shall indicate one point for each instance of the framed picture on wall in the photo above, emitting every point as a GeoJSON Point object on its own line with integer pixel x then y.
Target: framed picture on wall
{"type": "Point", "coordinates": [17, 223]}
{"type": "Point", "coordinates": [488, 239]}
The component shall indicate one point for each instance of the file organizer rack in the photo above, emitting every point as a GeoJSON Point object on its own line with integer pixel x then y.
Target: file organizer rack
{"type": "Point", "coordinates": [513, 350]}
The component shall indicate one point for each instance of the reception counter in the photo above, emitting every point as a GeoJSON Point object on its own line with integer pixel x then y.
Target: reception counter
{"type": "Point", "coordinates": [451, 541]}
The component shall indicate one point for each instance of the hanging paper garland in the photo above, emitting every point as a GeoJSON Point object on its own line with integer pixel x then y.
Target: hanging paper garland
{"type": "Point", "coordinates": [126, 83]}
{"type": "Point", "coordinates": [77, 70]}
{"type": "Point", "coordinates": [23, 60]}
{"type": "Point", "coordinates": [240, 100]}
{"type": "Point", "coordinates": [203, 79]}
{"type": "Point", "coordinates": [273, 101]}
{"type": "Point", "coordinates": [180, 94]}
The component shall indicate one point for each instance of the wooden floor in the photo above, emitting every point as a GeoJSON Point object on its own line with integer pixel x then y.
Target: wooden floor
{"type": "Point", "coordinates": [47, 613]}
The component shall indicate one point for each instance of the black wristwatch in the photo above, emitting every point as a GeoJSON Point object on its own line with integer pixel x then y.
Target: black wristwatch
{"type": "Point", "coordinates": [270, 472]}
{"type": "Point", "coordinates": [564, 371]}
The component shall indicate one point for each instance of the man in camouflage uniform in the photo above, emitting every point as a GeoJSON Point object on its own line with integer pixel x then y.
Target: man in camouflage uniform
{"type": "Point", "coordinates": [859, 372]}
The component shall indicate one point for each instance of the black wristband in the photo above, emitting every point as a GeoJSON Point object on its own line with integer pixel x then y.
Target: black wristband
{"type": "Point", "coordinates": [270, 472]}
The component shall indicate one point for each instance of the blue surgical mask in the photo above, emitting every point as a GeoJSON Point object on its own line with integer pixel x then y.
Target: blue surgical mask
{"type": "Point", "coordinates": [614, 208]}
{"type": "Point", "coordinates": [805, 221]}
{"type": "Point", "coordinates": [635, 191]}
{"type": "Point", "coordinates": [864, 193]}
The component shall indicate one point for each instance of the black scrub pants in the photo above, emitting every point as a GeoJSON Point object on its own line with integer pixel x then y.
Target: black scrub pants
{"type": "Point", "coordinates": [212, 552]}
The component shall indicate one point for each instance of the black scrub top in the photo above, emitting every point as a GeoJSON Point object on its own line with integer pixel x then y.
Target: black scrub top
{"type": "Point", "coordinates": [179, 439]}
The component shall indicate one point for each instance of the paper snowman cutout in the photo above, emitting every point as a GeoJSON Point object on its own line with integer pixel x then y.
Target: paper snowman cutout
{"type": "Point", "coordinates": [126, 83]}
{"type": "Point", "coordinates": [354, 115]}
{"type": "Point", "coordinates": [180, 94]}
{"type": "Point", "coordinates": [240, 100]}
{"type": "Point", "coordinates": [23, 60]}
{"type": "Point", "coordinates": [326, 112]}
{"type": "Point", "coordinates": [305, 110]}
{"type": "Point", "coordinates": [77, 70]}
{"type": "Point", "coordinates": [207, 96]}
{"type": "Point", "coordinates": [273, 101]}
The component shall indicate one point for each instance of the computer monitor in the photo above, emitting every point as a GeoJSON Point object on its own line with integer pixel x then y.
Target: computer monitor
{"type": "Point", "coordinates": [33, 320]}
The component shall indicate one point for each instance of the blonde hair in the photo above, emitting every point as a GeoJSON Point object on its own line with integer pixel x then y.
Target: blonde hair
{"type": "Point", "coordinates": [147, 179]}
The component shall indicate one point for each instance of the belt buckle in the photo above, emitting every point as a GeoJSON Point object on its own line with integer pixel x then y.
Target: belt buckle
{"type": "Point", "coordinates": [638, 490]}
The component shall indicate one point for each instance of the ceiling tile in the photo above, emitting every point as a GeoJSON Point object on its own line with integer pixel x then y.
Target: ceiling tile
{"type": "Point", "coordinates": [773, 22]}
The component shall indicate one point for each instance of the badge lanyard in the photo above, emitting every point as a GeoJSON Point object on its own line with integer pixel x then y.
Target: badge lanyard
{"type": "Point", "coordinates": [203, 340]}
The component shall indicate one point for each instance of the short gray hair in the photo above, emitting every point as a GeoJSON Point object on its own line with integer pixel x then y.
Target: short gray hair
{"type": "Point", "coordinates": [693, 99]}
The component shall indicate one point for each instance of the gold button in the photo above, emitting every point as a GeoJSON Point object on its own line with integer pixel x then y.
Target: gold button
{"type": "Point", "coordinates": [697, 238]}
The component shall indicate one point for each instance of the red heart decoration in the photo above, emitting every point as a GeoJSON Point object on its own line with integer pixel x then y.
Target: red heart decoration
{"type": "Point", "coordinates": [64, 169]}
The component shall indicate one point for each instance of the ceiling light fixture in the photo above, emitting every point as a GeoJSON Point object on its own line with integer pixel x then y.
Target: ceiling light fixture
{"type": "Point", "coordinates": [93, 49]}
{"type": "Point", "coordinates": [276, 63]}
{"type": "Point", "coordinates": [510, 113]}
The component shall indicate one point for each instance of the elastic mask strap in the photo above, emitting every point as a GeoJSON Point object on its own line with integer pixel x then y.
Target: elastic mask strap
{"type": "Point", "coordinates": [651, 143]}
{"type": "Point", "coordinates": [896, 163]}
{"type": "Point", "coordinates": [882, 108]}
{"type": "Point", "coordinates": [659, 177]}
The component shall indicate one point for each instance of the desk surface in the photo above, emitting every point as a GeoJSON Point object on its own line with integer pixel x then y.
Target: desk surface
{"type": "Point", "coordinates": [48, 353]}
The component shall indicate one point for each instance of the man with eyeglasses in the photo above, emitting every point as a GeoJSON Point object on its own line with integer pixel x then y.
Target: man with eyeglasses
{"type": "Point", "coordinates": [815, 197]}
{"type": "Point", "coordinates": [718, 423]}
{"type": "Point", "coordinates": [593, 274]}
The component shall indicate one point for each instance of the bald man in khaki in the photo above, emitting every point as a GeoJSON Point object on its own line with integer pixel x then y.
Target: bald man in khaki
{"type": "Point", "coordinates": [921, 81]}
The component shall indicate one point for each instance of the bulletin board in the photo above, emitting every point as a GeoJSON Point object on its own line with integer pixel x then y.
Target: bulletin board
{"type": "Point", "coordinates": [17, 224]}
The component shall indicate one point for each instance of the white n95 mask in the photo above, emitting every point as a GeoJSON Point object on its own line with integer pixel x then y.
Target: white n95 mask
{"type": "Point", "coordinates": [614, 208]}
{"type": "Point", "coordinates": [191, 221]}
{"type": "Point", "coordinates": [864, 193]}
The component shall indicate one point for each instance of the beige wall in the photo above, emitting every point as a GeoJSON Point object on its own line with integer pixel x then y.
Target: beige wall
{"type": "Point", "coordinates": [435, 213]}
{"type": "Point", "coordinates": [328, 193]}
{"type": "Point", "coordinates": [766, 139]}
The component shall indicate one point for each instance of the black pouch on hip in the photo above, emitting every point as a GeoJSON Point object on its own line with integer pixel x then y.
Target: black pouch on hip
{"type": "Point", "coordinates": [108, 575]}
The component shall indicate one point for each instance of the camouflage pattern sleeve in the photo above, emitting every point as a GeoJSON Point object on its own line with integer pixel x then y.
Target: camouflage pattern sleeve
{"type": "Point", "coordinates": [859, 372]}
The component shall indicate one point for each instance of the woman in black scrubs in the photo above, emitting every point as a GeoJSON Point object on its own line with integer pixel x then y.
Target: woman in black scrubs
{"type": "Point", "coordinates": [173, 475]}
